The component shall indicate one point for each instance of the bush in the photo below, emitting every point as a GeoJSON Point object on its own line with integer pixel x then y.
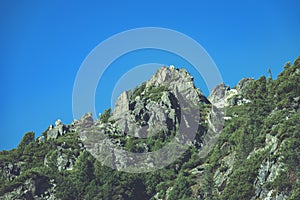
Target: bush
{"type": "Point", "coordinates": [105, 116]}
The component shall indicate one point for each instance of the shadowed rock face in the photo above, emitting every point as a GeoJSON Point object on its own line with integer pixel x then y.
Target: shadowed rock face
{"type": "Point", "coordinates": [10, 170]}
{"type": "Point", "coordinates": [38, 187]}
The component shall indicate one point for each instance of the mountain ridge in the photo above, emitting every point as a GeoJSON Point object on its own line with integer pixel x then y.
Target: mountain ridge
{"type": "Point", "coordinates": [255, 157]}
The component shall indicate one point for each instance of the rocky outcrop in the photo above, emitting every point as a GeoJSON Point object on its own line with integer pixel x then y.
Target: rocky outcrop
{"type": "Point", "coordinates": [55, 132]}
{"type": "Point", "coordinates": [177, 81]}
{"type": "Point", "coordinates": [167, 103]}
{"type": "Point", "coordinates": [86, 121]}
{"type": "Point", "coordinates": [122, 104]}
{"type": "Point", "coordinates": [39, 187]}
{"type": "Point", "coordinates": [10, 170]}
{"type": "Point", "coordinates": [63, 157]}
{"type": "Point", "coordinates": [218, 93]}
{"type": "Point", "coordinates": [222, 174]}
{"type": "Point", "coordinates": [222, 96]}
{"type": "Point", "coordinates": [144, 115]}
{"type": "Point", "coordinates": [269, 170]}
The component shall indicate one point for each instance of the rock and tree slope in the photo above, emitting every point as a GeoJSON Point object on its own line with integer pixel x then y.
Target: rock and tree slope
{"type": "Point", "coordinates": [256, 156]}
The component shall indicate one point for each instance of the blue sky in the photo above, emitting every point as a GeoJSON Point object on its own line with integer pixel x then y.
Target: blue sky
{"type": "Point", "coordinates": [43, 44]}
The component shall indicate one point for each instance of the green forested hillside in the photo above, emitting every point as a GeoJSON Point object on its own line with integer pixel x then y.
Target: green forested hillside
{"type": "Point", "coordinates": [257, 155]}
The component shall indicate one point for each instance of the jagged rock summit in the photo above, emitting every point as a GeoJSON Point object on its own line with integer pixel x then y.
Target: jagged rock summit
{"type": "Point", "coordinates": [170, 78]}
{"type": "Point", "coordinates": [222, 95]}
{"type": "Point", "coordinates": [156, 103]}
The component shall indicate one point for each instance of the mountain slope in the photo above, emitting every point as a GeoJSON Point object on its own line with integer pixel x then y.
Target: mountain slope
{"type": "Point", "coordinates": [256, 156]}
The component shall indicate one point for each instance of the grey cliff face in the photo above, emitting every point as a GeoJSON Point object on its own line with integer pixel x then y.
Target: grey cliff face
{"type": "Point", "coordinates": [122, 104]}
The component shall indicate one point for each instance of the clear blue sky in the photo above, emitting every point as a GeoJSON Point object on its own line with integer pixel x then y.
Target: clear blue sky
{"type": "Point", "coordinates": [43, 43]}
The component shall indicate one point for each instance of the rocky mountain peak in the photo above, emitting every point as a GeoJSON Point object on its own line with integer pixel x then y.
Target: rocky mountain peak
{"type": "Point", "coordinates": [256, 156]}
{"type": "Point", "coordinates": [167, 75]}
{"type": "Point", "coordinates": [155, 103]}
{"type": "Point", "coordinates": [169, 79]}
